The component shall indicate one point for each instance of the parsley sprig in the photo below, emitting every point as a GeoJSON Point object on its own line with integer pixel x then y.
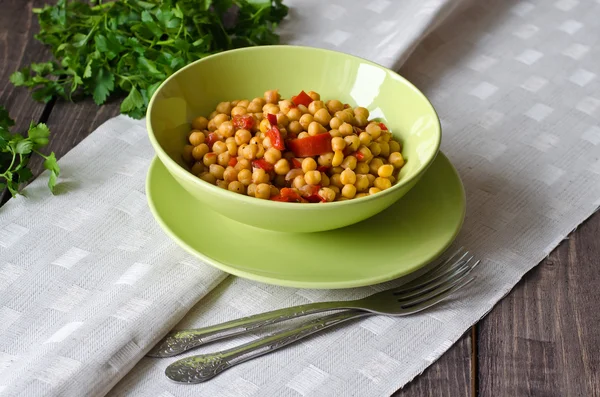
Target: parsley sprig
{"type": "Point", "coordinates": [128, 47]}
{"type": "Point", "coordinates": [16, 150]}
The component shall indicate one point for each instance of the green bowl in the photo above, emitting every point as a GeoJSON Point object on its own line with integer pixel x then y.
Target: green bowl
{"type": "Point", "coordinates": [246, 73]}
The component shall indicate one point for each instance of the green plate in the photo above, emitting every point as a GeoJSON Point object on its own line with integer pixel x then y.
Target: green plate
{"type": "Point", "coordinates": [398, 241]}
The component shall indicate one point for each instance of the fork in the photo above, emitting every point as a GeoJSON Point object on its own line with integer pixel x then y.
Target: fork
{"type": "Point", "coordinates": [419, 295]}
{"type": "Point", "coordinates": [180, 341]}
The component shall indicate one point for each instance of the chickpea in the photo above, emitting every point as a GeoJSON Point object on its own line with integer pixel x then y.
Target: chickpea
{"type": "Point", "coordinates": [260, 176]}
{"type": "Point", "coordinates": [213, 114]}
{"type": "Point", "coordinates": [272, 96]}
{"type": "Point", "coordinates": [196, 138]}
{"type": "Point", "coordinates": [274, 191]}
{"type": "Point", "coordinates": [254, 107]}
{"type": "Point", "coordinates": [338, 158]}
{"type": "Point", "coordinates": [267, 143]}
{"type": "Point", "coordinates": [305, 120]}
{"type": "Point", "coordinates": [272, 155]}
{"type": "Point", "coordinates": [226, 129]}
{"type": "Point", "coordinates": [294, 114]}
{"type": "Point", "coordinates": [208, 177]}
{"type": "Point", "coordinates": [197, 168]}
{"type": "Point", "coordinates": [365, 152]}
{"type": "Point", "coordinates": [219, 147]}
{"type": "Point", "coordinates": [251, 190]}
{"type": "Point", "coordinates": [362, 183]}
{"type": "Point", "coordinates": [270, 108]}
{"type": "Point", "coordinates": [232, 148]}
{"type": "Point", "coordinates": [324, 179]}
{"type": "Point", "coordinates": [394, 146]}
{"type": "Point", "coordinates": [223, 159]}
{"type": "Point", "coordinates": [365, 138]}
{"type": "Point", "coordinates": [299, 181]}
{"type": "Point", "coordinates": [396, 159]}
{"type": "Point", "coordinates": [338, 143]}
{"type": "Point", "coordinates": [385, 171]}
{"type": "Point", "coordinates": [352, 142]}
{"type": "Point", "coordinates": [224, 107]}
{"type": "Point", "coordinates": [361, 121]}
{"type": "Point", "coordinates": [261, 151]}
{"type": "Point", "coordinates": [359, 195]}
{"type": "Point", "coordinates": [335, 180]}
{"type": "Point", "coordinates": [344, 116]}
{"type": "Point", "coordinates": [337, 170]}
{"type": "Point", "coordinates": [309, 164]}
{"type": "Point", "coordinates": [374, 130]}
{"type": "Point", "coordinates": [326, 159]}
{"type": "Point", "coordinates": [240, 152]}
{"type": "Point", "coordinates": [249, 152]}
{"type": "Point", "coordinates": [360, 111]}
{"type": "Point", "coordinates": [264, 126]}
{"type": "Point", "coordinates": [199, 151]}
{"type": "Point", "coordinates": [211, 125]}
{"type": "Point", "coordinates": [383, 183]}
{"type": "Point", "coordinates": [392, 179]}
{"type": "Point", "coordinates": [346, 129]}
{"type": "Point", "coordinates": [348, 177]}
{"type": "Point", "coordinates": [375, 149]}
{"type": "Point", "coordinates": [244, 176]}
{"type": "Point", "coordinates": [238, 111]}
{"type": "Point", "coordinates": [385, 149]}
{"type": "Point", "coordinates": [243, 164]}
{"type": "Point", "coordinates": [216, 170]}
{"type": "Point", "coordinates": [222, 184]}
{"type": "Point", "coordinates": [282, 120]}
{"type": "Point", "coordinates": [349, 191]}
{"type": "Point", "coordinates": [349, 162]}
{"type": "Point", "coordinates": [187, 153]}
{"type": "Point", "coordinates": [335, 123]}
{"type": "Point", "coordinates": [334, 133]}
{"type": "Point", "coordinates": [334, 106]}
{"type": "Point", "coordinates": [236, 187]}
{"type": "Point", "coordinates": [282, 166]}
{"type": "Point", "coordinates": [374, 165]}
{"type": "Point", "coordinates": [336, 189]}
{"type": "Point", "coordinates": [315, 96]}
{"type": "Point", "coordinates": [371, 178]}
{"type": "Point", "coordinates": [315, 128]}
{"type": "Point", "coordinates": [256, 139]}
{"type": "Point", "coordinates": [261, 101]}
{"type": "Point", "coordinates": [303, 134]}
{"type": "Point", "coordinates": [263, 191]}
{"type": "Point", "coordinates": [285, 105]}
{"type": "Point", "coordinates": [230, 174]}
{"type": "Point", "coordinates": [327, 194]}
{"type": "Point", "coordinates": [362, 168]}
{"type": "Point", "coordinates": [243, 103]}
{"type": "Point", "coordinates": [312, 177]}
{"type": "Point", "coordinates": [220, 118]}
{"type": "Point", "coordinates": [323, 117]}
{"type": "Point", "coordinates": [303, 109]}
{"type": "Point", "coordinates": [374, 190]}
{"type": "Point", "coordinates": [295, 127]}
{"type": "Point", "coordinates": [314, 106]}
{"type": "Point", "coordinates": [200, 123]}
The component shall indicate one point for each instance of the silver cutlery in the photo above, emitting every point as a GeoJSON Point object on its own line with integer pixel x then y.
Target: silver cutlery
{"type": "Point", "coordinates": [418, 295]}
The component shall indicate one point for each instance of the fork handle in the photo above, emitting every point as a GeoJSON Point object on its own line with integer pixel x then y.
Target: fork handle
{"type": "Point", "coordinates": [180, 341]}
{"type": "Point", "coordinates": [200, 368]}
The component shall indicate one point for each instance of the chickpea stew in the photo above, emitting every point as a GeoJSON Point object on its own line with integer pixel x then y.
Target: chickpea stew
{"type": "Point", "coordinates": [301, 149]}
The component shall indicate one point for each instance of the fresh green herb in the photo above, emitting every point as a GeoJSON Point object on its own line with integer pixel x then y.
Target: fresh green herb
{"type": "Point", "coordinates": [128, 47]}
{"type": "Point", "coordinates": [15, 151]}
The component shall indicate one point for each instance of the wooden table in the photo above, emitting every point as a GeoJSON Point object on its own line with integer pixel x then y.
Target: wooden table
{"type": "Point", "coordinates": [543, 339]}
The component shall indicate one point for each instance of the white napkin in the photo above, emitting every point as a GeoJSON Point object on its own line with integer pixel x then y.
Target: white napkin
{"type": "Point", "coordinates": [84, 295]}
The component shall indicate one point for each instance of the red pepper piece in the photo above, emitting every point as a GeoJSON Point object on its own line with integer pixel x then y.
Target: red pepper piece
{"type": "Point", "coordinates": [233, 161]}
{"type": "Point", "coordinates": [359, 156]}
{"type": "Point", "coordinates": [211, 139]}
{"type": "Point", "coordinates": [280, 198]}
{"type": "Point", "coordinates": [264, 164]}
{"type": "Point", "coordinates": [288, 195]}
{"type": "Point", "coordinates": [302, 99]}
{"type": "Point", "coordinates": [323, 168]}
{"type": "Point", "coordinates": [296, 163]}
{"type": "Point", "coordinates": [275, 136]}
{"type": "Point", "coordinates": [313, 195]}
{"type": "Point", "coordinates": [243, 122]}
{"type": "Point", "coordinates": [311, 145]}
{"type": "Point", "coordinates": [383, 127]}
{"type": "Point", "coordinates": [272, 119]}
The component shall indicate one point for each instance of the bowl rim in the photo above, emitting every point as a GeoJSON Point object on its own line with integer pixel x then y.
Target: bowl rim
{"type": "Point", "coordinates": [172, 165]}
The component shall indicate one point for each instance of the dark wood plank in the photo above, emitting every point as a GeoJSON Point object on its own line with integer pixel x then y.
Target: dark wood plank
{"type": "Point", "coordinates": [449, 376]}
{"type": "Point", "coordinates": [543, 339]}
{"type": "Point", "coordinates": [18, 48]}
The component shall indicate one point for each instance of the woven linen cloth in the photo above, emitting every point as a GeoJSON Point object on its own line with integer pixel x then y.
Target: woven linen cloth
{"type": "Point", "coordinates": [88, 281]}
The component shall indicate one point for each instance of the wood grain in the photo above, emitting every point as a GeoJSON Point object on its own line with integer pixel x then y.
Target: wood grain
{"type": "Point", "coordinates": [449, 376]}
{"type": "Point", "coordinates": [543, 339]}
